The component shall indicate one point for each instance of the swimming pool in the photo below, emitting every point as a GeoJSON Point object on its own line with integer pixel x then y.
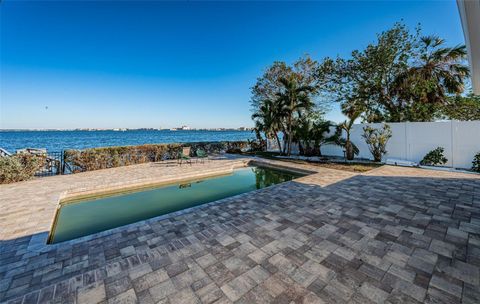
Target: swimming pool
{"type": "Point", "coordinates": [87, 216]}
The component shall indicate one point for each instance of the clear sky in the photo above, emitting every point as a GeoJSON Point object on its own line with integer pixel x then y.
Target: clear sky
{"type": "Point", "coordinates": [164, 64]}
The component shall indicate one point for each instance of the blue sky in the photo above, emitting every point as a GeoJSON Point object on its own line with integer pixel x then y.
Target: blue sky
{"type": "Point", "coordinates": [164, 64]}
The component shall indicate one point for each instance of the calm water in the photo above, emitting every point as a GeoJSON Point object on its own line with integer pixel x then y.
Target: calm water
{"type": "Point", "coordinates": [59, 140]}
{"type": "Point", "coordinates": [85, 217]}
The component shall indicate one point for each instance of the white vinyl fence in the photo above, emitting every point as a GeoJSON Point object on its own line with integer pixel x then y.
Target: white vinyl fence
{"type": "Point", "coordinates": [412, 140]}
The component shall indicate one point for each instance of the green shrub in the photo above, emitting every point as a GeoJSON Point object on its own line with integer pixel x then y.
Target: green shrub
{"type": "Point", "coordinates": [19, 167]}
{"type": "Point", "coordinates": [110, 157]}
{"type": "Point", "coordinates": [257, 145]}
{"type": "Point", "coordinates": [376, 140]}
{"type": "Point", "coordinates": [476, 163]}
{"type": "Point", "coordinates": [434, 158]}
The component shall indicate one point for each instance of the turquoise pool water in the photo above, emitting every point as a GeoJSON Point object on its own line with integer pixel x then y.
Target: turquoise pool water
{"type": "Point", "coordinates": [84, 217]}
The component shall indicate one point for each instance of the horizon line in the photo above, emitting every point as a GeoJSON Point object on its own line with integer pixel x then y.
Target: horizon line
{"type": "Point", "coordinates": [131, 129]}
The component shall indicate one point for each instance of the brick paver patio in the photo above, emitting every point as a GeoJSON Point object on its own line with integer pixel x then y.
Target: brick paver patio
{"type": "Point", "coordinates": [392, 235]}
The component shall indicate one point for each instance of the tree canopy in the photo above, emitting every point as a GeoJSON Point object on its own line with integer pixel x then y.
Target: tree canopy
{"type": "Point", "coordinates": [461, 108]}
{"type": "Point", "coordinates": [292, 92]}
{"type": "Point", "coordinates": [401, 76]}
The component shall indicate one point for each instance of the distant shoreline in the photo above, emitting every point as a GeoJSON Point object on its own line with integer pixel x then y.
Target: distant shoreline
{"type": "Point", "coordinates": [127, 130]}
{"type": "Point", "coordinates": [58, 140]}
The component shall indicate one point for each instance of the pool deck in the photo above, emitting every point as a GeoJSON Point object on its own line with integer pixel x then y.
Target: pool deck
{"type": "Point", "coordinates": [391, 235]}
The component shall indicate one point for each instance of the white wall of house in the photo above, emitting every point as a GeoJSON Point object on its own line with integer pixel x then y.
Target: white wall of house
{"type": "Point", "coordinates": [470, 16]}
{"type": "Point", "coordinates": [412, 140]}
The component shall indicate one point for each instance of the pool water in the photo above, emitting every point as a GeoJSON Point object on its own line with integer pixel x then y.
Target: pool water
{"type": "Point", "coordinates": [87, 216]}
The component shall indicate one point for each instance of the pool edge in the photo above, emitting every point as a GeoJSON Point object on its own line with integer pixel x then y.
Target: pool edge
{"type": "Point", "coordinates": [69, 196]}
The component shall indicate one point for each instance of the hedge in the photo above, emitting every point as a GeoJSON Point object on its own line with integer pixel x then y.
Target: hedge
{"type": "Point", "coordinates": [20, 167]}
{"type": "Point", "coordinates": [110, 157]}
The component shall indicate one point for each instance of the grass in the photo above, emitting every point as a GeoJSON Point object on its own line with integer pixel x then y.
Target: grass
{"type": "Point", "coordinates": [327, 163]}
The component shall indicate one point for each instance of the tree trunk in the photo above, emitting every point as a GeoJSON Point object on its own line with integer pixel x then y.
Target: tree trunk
{"type": "Point", "coordinates": [278, 142]}
{"type": "Point", "coordinates": [289, 136]}
{"type": "Point", "coordinates": [349, 147]}
{"type": "Point", "coordinates": [301, 150]}
{"type": "Point", "coordinates": [316, 150]}
{"type": "Point", "coordinates": [290, 128]}
{"type": "Point", "coordinates": [349, 150]}
{"type": "Point", "coordinates": [284, 139]}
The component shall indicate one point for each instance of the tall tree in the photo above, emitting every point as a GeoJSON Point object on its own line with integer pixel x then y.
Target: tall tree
{"type": "Point", "coordinates": [280, 80]}
{"type": "Point", "coordinates": [369, 77]}
{"type": "Point", "coordinates": [401, 77]}
{"type": "Point", "coordinates": [267, 120]}
{"type": "Point", "coordinates": [436, 72]}
{"type": "Point", "coordinates": [295, 99]}
{"type": "Point", "coordinates": [268, 85]}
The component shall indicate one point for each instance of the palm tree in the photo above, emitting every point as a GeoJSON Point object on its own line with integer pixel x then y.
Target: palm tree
{"type": "Point", "coordinates": [302, 134]}
{"type": "Point", "coordinates": [312, 129]}
{"type": "Point", "coordinates": [438, 72]}
{"type": "Point", "coordinates": [267, 120]}
{"type": "Point", "coordinates": [350, 148]}
{"type": "Point", "coordinates": [320, 135]}
{"type": "Point", "coordinates": [353, 109]}
{"type": "Point", "coordinates": [294, 99]}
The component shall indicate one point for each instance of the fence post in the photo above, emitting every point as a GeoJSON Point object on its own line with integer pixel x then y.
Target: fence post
{"type": "Point", "coordinates": [62, 159]}
{"type": "Point", "coordinates": [407, 144]}
{"type": "Point", "coordinates": [452, 129]}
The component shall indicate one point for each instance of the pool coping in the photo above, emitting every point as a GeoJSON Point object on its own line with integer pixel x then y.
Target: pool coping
{"type": "Point", "coordinates": [70, 195]}
{"type": "Point", "coordinates": [306, 214]}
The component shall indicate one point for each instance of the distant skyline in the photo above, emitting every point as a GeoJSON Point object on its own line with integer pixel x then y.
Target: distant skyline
{"type": "Point", "coordinates": [66, 65]}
